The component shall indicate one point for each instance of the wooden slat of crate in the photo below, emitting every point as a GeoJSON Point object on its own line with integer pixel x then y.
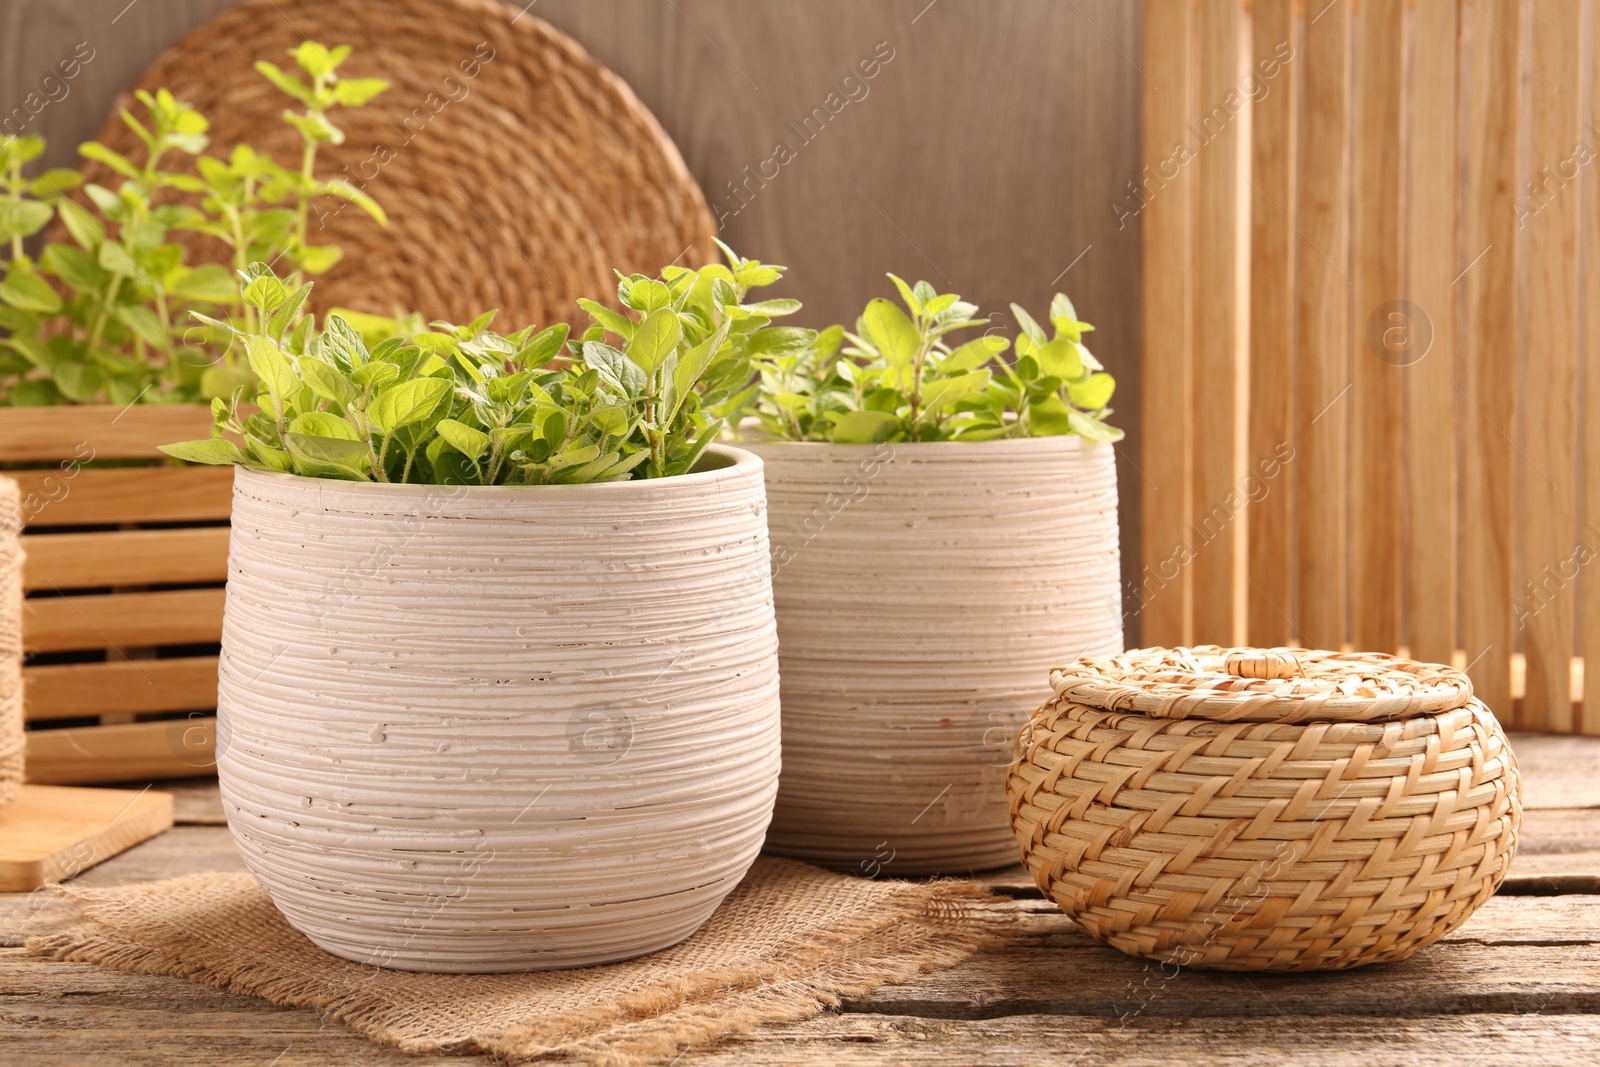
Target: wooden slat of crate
{"type": "Point", "coordinates": [1431, 499]}
{"type": "Point", "coordinates": [1167, 233]}
{"type": "Point", "coordinates": [125, 557]}
{"type": "Point", "coordinates": [123, 620]}
{"type": "Point", "coordinates": [131, 495]}
{"type": "Point", "coordinates": [121, 753]}
{"type": "Point", "coordinates": [1548, 468]}
{"type": "Point", "coordinates": [1272, 244]}
{"type": "Point", "coordinates": [119, 687]}
{"type": "Point", "coordinates": [98, 431]}
{"type": "Point", "coordinates": [1322, 409]}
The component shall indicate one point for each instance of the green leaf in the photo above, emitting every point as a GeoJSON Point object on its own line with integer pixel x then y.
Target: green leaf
{"type": "Point", "coordinates": [1059, 359]}
{"type": "Point", "coordinates": [288, 83]}
{"type": "Point", "coordinates": [345, 191]}
{"type": "Point", "coordinates": [215, 451]}
{"type": "Point", "coordinates": [319, 60]}
{"type": "Point", "coordinates": [328, 457]}
{"type": "Point", "coordinates": [1049, 418]}
{"type": "Point", "coordinates": [353, 92]}
{"type": "Point", "coordinates": [114, 259]}
{"type": "Point", "coordinates": [115, 160]}
{"type": "Point", "coordinates": [1092, 429]}
{"type": "Point", "coordinates": [22, 218]}
{"type": "Point", "coordinates": [323, 424]}
{"type": "Point", "coordinates": [209, 282]}
{"type": "Point", "coordinates": [864, 427]}
{"type": "Point", "coordinates": [82, 226]}
{"type": "Point", "coordinates": [656, 338]}
{"type": "Point", "coordinates": [773, 308]}
{"type": "Point", "coordinates": [374, 375]}
{"type": "Point", "coordinates": [26, 291]}
{"type": "Point", "coordinates": [1093, 393]}
{"type": "Point", "coordinates": [327, 381]}
{"type": "Point", "coordinates": [406, 402]}
{"type": "Point", "coordinates": [318, 259]}
{"type": "Point", "coordinates": [265, 294]}
{"type": "Point", "coordinates": [890, 332]}
{"type": "Point", "coordinates": [54, 184]}
{"type": "Point", "coordinates": [142, 322]}
{"type": "Point", "coordinates": [468, 440]}
{"type": "Point", "coordinates": [271, 366]}
{"type": "Point", "coordinates": [221, 380]}
{"type": "Point", "coordinates": [74, 267]}
{"type": "Point", "coordinates": [618, 371]}
{"type": "Point", "coordinates": [613, 321]}
{"type": "Point", "coordinates": [943, 392]}
{"type": "Point", "coordinates": [1029, 328]}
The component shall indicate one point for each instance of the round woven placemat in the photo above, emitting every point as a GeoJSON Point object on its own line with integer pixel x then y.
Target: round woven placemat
{"type": "Point", "coordinates": [1263, 685]}
{"type": "Point", "coordinates": [516, 171]}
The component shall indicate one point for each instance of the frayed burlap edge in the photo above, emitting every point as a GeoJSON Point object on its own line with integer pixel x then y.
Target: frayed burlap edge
{"type": "Point", "coordinates": [928, 927]}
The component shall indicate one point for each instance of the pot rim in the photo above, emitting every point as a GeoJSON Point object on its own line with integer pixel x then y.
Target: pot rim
{"type": "Point", "coordinates": [1063, 442]}
{"type": "Point", "coordinates": [742, 466]}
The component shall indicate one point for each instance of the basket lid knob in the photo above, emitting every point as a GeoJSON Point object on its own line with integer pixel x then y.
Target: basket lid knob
{"type": "Point", "coordinates": [1262, 663]}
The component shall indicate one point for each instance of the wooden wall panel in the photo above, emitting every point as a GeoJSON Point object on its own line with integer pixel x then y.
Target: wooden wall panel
{"type": "Point", "coordinates": [1219, 124]}
{"type": "Point", "coordinates": [1322, 288]}
{"type": "Point", "coordinates": [1164, 589]}
{"type": "Point", "coordinates": [1378, 328]}
{"type": "Point", "coordinates": [1275, 32]}
{"type": "Point", "coordinates": [1488, 286]}
{"type": "Point", "coordinates": [1547, 468]}
{"type": "Point", "coordinates": [1589, 253]}
{"type": "Point", "coordinates": [1429, 501]}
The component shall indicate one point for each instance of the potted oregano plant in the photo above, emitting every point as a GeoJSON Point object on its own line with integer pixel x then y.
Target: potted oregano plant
{"type": "Point", "coordinates": [499, 666]}
{"type": "Point", "coordinates": [101, 361]}
{"type": "Point", "coordinates": [944, 531]}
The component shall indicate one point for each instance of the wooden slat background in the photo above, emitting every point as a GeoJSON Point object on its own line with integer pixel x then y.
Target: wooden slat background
{"type": "Point", "coordinates": [1420, 296]}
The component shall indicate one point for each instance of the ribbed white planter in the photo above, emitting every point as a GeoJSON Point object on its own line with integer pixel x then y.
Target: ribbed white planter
{"type": "Point", "coordinates": [924, 591]}
{"type": "Point", "coordinates": [497, 729]}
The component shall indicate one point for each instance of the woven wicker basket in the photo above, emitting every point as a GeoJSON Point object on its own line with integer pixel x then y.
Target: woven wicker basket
{"type": "Point", "coordinates": [1265, 809]}
{"type": "Point", "coordinates": [516, 170]}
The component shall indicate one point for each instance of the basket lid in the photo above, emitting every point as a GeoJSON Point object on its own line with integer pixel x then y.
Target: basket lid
{"type": "Point", "coordinates": [1263, 685]}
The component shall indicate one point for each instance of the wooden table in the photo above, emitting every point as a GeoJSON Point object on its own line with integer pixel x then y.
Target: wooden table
{"type": "Point", "coordinates": [1520, 983]}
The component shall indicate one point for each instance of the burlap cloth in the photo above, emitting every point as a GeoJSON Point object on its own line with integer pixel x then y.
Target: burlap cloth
{"type": "Point", "coordinates": [788, 942]}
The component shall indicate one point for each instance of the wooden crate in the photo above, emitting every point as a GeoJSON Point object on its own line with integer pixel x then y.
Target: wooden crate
{"type": "Point", "coordinates": [126, 561]}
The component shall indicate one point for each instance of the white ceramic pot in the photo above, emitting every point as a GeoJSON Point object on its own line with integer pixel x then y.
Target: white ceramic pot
{"type": "Point", "coordinates": [497, 729]}
{"type": "Point", "coordinates": [924, 591]}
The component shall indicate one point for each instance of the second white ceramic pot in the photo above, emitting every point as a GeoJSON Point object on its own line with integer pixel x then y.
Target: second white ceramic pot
{"type": "Point", "coordinates": [495, 729]}
{"type": "Point", "coordinates": [924, 592]}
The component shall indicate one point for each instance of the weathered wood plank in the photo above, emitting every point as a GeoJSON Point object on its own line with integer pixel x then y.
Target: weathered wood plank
{"type": "Point", "coordinates": [1273, 133]}
{"type": "Point", "coordinates": [1487, 284]}
{"type": "Point", "coordinates": [1322, 408]}
{"type": "Point", "coordinates": [125, 557]}
{"type": "Point", "coordinates": [1164, 592]}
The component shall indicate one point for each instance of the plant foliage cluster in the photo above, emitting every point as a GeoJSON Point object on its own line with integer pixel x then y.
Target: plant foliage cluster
{"type": "Point", "coordinates": [105, 315]}
{"type": "Point", "coordinates": [463, 405]}
{"type": "Point", "coordinates": [903, 376]}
